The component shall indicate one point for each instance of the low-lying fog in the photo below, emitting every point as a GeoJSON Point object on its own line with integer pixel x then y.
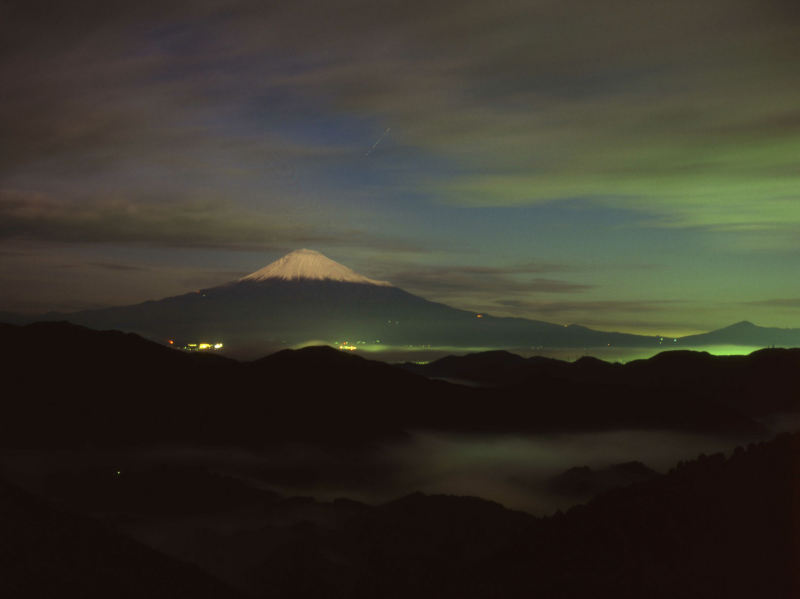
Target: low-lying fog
{"type": "Point", "coordinates": [515, 471]}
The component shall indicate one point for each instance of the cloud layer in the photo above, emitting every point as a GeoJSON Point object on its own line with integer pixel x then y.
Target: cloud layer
{"type": "Point", "coordinates": [687, 111]}
{"type": "Point", "coordinates": [524, 132]}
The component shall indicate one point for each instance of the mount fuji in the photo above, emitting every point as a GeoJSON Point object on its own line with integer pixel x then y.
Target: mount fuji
{"type": "Point", "coordinates": [305, 296]}
{"type": "Point", "coordinates": [312, 266]}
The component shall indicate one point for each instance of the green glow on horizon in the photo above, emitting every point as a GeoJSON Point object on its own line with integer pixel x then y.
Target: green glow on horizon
{"type": "Point", "coordinates": [421, 354]}
{"type": "Point", "coordinates": [729, 350]}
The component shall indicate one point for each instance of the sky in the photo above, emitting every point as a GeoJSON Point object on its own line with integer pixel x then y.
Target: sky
{"type": "Point", "coordinates": [629, 165]}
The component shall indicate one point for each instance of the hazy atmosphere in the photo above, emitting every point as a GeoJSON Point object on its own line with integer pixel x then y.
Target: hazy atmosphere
{"type": "Point", "coordinates": [628, 166]}
{"type": "Point", "coordinates": [513, 470]}
{"type": "Point", "coordinates": [441, 299]}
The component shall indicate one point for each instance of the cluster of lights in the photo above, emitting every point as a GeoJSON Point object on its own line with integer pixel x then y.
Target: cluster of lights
{"type": "Point", "coordinates": [199, 346]}
{"type": "Point", "coordinates": [209, 346]}
{"type": "Point", "coordinates": [348, 346]}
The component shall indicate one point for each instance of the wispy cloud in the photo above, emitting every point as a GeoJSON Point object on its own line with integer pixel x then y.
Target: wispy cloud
{"type": "Point", "coordinates": [241, 125]}
{"type": "Point", "coordinates": [118, 266]}
{"type": "Point", "coordinates": [439, 282]}
{"type": "Point", "coordinates": [629, 103]}
{"type": "Point", "coordinates": [650, 316]}
{"type": "Point", "coordinates": [207, 224]}
{"type": "Point", "coordinates": [786, 302]}
{"type": "Point", "coordinates": [599, 306]}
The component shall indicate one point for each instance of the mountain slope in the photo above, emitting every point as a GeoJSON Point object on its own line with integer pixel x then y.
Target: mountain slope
{"type": "Point", "coordinates": [45, 552]}
{"type": "Point", "coordinates": [712, 527]}
{"type": "Point", "coordinates": [306, 296]}
{"type": "Point", "coordinates": [757, 385]}
{"type": "Point", "coordinates": [744, 333]}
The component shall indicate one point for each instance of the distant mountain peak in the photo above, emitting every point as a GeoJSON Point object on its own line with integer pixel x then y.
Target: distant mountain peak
{"type": "Point", "coordinates": [742, 324]}
{"type": "Point", "coordinates": [309, 265]}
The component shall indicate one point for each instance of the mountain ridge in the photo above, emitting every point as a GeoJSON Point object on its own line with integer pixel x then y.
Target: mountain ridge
{"type": "Point", "coordinates": [173, 395]}
{"type": "Point", "coordinates": [305, 296]}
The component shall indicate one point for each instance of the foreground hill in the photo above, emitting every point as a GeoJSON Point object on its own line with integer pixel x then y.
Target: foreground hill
{"type": "Point", "coordinates": [45, 552]}
{"type": "Point", "coordinates": [712, 527]}
{"type": "Point", "coordinates": [70, 386]}
{"type": "Point", "coordinates": [757, 385]}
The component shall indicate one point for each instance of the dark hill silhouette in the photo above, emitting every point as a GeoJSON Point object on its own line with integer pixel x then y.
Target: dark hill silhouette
{"type": "Point", "coordinates": [45, 552]}
{"type": "Point", "coordinates": [585, 482]}
{"type": "Point", "coordinates": [114, 486]}
{"type": "Point", "coordinates": [486, 368]}
{"type": "Point", "coordinates": [757, 385]}
{"type": "Point", "coordinates": [71, 386]}
{"type": "Point", "coordinates": [710, 527]}
{"type": "Point", "coordinates": [493, 368]}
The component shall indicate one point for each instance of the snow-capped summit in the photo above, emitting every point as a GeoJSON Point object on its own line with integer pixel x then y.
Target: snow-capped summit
{"type": "Point", "coordinates": [308, 264]}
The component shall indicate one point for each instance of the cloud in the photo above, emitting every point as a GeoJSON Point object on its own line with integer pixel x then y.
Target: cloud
{"type": "Point", "coordinates": [640, 105]}
{"type": "Point", "coordinates": [220, 225]}
{"type": "Point", "coordinates": [646, 316]}
{"type": "Point", "coordinates": [787, 302]}
{"type": "Point", "coordinates": [211, 278]}
{"type": "Point", "coordinates": [594, 306]}
{"type": "Point", "coordinates": [683, 110]}
{"type": "Point", "coordinates": [234, 124]}
{"type": "Point", "coordinates": [441, 282]}
{"type": "Point", "coordinates": [117, 266]}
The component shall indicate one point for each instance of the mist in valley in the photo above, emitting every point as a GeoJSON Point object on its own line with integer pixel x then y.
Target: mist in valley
{"type": "Point", "coordinates": [513, 470]}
